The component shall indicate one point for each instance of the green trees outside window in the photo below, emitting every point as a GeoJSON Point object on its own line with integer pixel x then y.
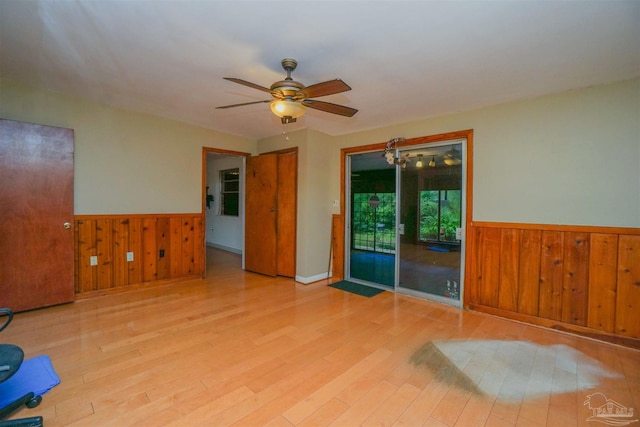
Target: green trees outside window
{"type": "Point", "coordinates": [374, 228]}
{"type": "Point", "coordinates": [440, 215]}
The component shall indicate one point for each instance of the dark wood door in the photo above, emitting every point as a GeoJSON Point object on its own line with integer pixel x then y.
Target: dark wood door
{"type": "Point", "coordinates": [36, 201]}
{"type": "Point", "coordinates": [261, 208]}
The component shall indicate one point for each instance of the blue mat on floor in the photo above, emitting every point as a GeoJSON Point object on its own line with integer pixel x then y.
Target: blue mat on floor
{"type": "Point", "coordinates": [439, 248]}
{"type": "Point", "coordinates": [356, 288]}
{"type": "Point", "coordinates": [35, 375]}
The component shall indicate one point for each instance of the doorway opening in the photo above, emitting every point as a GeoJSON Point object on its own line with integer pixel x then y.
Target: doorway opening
{"type": "Point", "coordinates": [222, 179]}
{"type": "Point", "coordinates": [405, 224]}
{"type": "Point", "coordinates": [231, 217]}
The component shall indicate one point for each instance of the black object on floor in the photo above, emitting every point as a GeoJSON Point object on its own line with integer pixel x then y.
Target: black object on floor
{"type": "Point", "coordinates": [11, 358]}
{"type": "Point", "coordinates": [356, 288]}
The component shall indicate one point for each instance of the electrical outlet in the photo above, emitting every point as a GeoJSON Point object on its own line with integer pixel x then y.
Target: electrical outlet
{"type": "Point", "coordinates": [93, 260]}
{"type": "Point", "coordinates": [129, 256]}
{"type": "Point", "coordinates": [161, 253]}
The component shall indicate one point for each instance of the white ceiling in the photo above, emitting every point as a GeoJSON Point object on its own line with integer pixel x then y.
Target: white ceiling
{"type": "Point", "coordinates": [405, 60]}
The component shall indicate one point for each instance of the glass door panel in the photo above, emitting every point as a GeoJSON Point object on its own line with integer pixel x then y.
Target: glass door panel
{"type": "Point", "coordinates": [372, 220]}
{"type": "Point", "coordinates": [430, 217]}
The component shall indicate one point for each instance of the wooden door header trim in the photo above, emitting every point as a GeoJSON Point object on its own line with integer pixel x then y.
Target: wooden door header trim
{"type": "Point", "coordinates": [290, 150]}
{"type": "Point", "coordinates": [222, 151]}
{"type": "Point", "coordinates": [462, 134]}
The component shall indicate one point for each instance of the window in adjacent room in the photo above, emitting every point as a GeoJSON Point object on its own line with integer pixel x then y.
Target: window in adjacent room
{"type": "Point", "coordinates": [230, 194]}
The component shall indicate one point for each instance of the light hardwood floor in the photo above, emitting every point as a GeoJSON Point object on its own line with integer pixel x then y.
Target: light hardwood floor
{"type": "Point", "coordinates": [242, 349]}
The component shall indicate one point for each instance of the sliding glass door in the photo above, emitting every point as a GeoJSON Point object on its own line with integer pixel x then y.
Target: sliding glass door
{"type": "Point", "coordinates": [430, 222]}
{"type": "Point", "coordinates": [405, 221]}
{"type": "Point", "coordinates": [372, 220]}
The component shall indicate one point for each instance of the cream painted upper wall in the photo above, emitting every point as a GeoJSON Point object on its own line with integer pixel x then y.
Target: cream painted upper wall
{"type": "Point", "coordinates": [125, 162]}
{"type": "Point", "coordinates": [570, 158]}
{"type": "Point", "coordinates": [317, 205]}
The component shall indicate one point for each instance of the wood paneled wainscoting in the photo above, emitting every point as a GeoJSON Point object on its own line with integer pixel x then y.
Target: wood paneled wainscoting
{"type": "Point", "coordinates": [130, 250]}
{"type": "Point", "coordinates": [577, 278]}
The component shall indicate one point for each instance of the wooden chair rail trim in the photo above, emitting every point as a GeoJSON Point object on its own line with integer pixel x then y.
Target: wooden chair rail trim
{"type": "Point", "coordinates": [559, 227]}
{"type": "Point", "coordinates": [146, 215]}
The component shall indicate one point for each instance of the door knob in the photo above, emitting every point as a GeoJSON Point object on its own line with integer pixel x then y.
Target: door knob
{"type": "Point", "coordinates": [67, 225]}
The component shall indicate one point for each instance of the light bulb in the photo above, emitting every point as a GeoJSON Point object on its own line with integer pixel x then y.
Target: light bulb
{"type": "Point", "coordinates": [287, 108]}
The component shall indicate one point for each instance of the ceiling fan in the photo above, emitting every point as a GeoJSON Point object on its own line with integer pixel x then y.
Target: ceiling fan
{"type": "Point", "coordinates": [289, 97]}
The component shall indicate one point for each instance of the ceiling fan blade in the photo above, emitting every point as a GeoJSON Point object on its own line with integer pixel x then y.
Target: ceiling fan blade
{"type": "Point", "coordinates": [246, 83]}
{"type": "Point", "coordinates": [328, 107]}
{"type": "Point", "coordinates": [244, 103]}
{"type": "Point", "coordinates": [325, 88]}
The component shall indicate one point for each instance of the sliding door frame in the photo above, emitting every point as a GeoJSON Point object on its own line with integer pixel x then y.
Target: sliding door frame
{"type": "Point", "coordinates": [430, 139]}
{"type": "Point", "coordinates": [399, 182]}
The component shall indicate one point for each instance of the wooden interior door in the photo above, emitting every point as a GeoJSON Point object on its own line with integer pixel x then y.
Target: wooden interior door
{"type": "Point", "coordinates": [261, 204]}
{"type": "Point", "coordinates": [287, 213]}
{"type": "Point", "coordinates": [36, 215]}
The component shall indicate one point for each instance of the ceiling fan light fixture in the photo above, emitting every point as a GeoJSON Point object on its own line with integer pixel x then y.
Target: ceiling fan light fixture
{"type": "Point", "coordinates": [287, 108]}
{"type": "Point", "coordinates": [452, 161]}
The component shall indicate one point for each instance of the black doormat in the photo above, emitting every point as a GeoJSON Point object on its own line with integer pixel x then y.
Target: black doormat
{"type": "Point", "coordinates": [356, 288]}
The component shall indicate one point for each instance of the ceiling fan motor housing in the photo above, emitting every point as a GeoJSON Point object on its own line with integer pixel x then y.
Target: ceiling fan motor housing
{"type": "Point", "coordinates": [286, 88]}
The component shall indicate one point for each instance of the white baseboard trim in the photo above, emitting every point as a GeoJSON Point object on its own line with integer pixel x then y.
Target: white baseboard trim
{"type": "Point", "coordinates": [225, 248]}
{"type": "Point", "coordinates": [311, 279]}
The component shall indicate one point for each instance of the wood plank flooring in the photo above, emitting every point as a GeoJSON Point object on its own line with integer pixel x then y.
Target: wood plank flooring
{"type": "Point", "coordinates": [247, 350]}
